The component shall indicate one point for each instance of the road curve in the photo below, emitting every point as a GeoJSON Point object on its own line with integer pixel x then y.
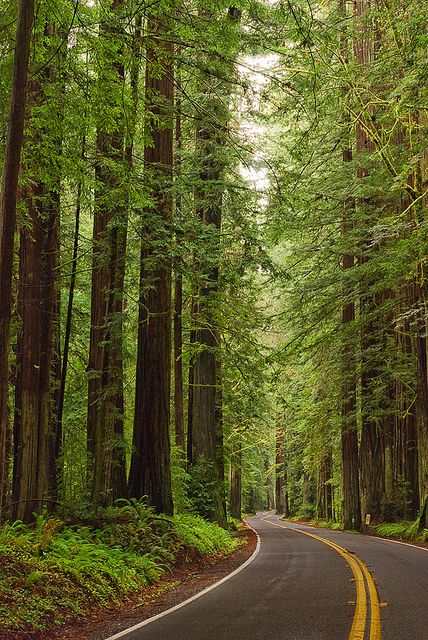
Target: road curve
{"type": "Point", "coordinates": [304, 584]}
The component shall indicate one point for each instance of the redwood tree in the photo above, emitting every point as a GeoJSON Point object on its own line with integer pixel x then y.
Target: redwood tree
{"type": "Point", "coordinates": [150, 473]}
{"type": "Point", "coordinates": [106, 449]}
{"type": "Point", "coordinates": [9, 190]}
{"type": "Point", "coordinates": [35, 440]}
{"type": "Point", "coordinates": [205, 435]}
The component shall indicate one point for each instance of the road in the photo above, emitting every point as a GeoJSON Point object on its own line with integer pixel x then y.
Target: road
{"type": "Point", "coordinates": [307, 583]}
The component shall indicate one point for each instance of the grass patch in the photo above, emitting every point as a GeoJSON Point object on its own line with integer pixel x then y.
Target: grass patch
{"type": "Point", "coordinates": [56, 570]}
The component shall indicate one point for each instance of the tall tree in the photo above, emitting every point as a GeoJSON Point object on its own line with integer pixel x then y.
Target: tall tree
{"type": "Point", "coordinates": [9, 190]}
{"type": "Point", "coordinates": [372, 444]}
{"type": "Point", "coordinates": [211, 136]}
{"type": "Point", "coordinates": [150, 473]}
{"type": "Point", "coordinates": [38, 305]}
{"type": "Point", "coordinates": [178, 287]}
{"type": "Point", "coordinates": [106, 448]}
{"type": "Point", "coordinates": [351, 511]}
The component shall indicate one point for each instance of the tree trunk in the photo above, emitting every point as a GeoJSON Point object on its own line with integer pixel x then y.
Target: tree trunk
{"type": "Point", "coordinates": [204, 432]}
{"type": "Point", "coordinates": [35, 411]}
{"type": "Point", "coordinates": [9, 189]}
{"type": "Point", "coordinates": [150, 473]}
{"type": "Point", "coordinates": [351, 510]}
{"type": "Point", "coordinates": [235, 497]}
{"type": "Point", "coordinates": [178, 303]}
{"type": "Point", "coordinates": [324, 508]}
{"type": "Point", "coordinates": [279, 471]}
{"type": "Point", "coordinates": [178, 364]}
{"type": "Point", "coordinates": [106, 447]}
{"type": "Point", "coordinates": [372, 444]}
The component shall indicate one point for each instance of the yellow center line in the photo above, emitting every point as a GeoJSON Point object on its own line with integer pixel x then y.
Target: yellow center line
{"type": "Point", "coordinates": [359, 571]}
{"type": "Point", "coordinates": [375, 627]}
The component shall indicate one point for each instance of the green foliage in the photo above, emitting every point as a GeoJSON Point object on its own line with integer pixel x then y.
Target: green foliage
{"type": "Point", "coordinates": [53, 571]}
{"type": "Point", "coordinates": [404, 530]}
{"type": "Point", "coordinates": [327, 524]}
{"type": "Point", "coordinates": [202, 484]}
{"type": "Point", "coordinates": [206, 537]}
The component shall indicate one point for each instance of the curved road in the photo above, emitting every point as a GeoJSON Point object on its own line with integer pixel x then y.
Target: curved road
{"type": "Point", "coordinates": [308, 584]}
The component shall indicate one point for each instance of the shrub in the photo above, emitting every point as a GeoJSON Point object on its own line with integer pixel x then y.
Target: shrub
{"type": "Point", "coordinates": [52, 571]}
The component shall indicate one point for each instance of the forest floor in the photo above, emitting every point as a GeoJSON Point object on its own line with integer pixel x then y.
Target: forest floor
{"type": "Point", "coordinates": [189, 576]}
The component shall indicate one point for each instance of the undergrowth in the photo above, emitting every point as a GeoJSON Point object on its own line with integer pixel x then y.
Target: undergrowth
{"type": "Point", "coordinates": [404, 530]}
{"type": "Point", "coordinates": [54, 570]}
{"type": "Point", "coordinates": [327, 524]}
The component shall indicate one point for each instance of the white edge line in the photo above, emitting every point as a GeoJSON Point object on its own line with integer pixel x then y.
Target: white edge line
{"type": "Point", "coordinates": [125, 632]}
{"type": "Point", "coordinates": [406, 544]}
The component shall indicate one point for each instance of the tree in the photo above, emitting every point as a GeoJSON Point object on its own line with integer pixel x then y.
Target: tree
{"type": "Point", "coordinates": [9, 192]}
{"type": "Point", "coordinates": [106, 449]}
{"type": "Point", "coordinates": [150, 473]}
{"type": "Point", "coordinates": [204, 426]}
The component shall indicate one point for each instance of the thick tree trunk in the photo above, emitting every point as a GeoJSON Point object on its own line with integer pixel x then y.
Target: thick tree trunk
{"type": "Point", "coordinates": [205, 434]}
{"type": "Point", "coordinates": [372, 460]}
{"type": "Point", "coordinates": [38, 308]}
{"type": "Point", "coordinates": [150, 473]}
{"type": "Point", "coordinates": [422, 416]}
{"type": "Point", "coordinates": [9, 189]}
{"type": "Point", "coordinates": [106, 448]}
{"type": "Point", "coordinates": [30, 435]}
{"type": "Point", "coordinates": [421, 350]}
{"type": "Point", "coordinates": [349, 433]}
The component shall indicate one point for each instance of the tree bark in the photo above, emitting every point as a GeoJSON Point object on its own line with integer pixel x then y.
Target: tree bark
{"type": "Point", "coordinates": [9, 191]}
{"type": "Point", "coordinates": [324, 508]}
{"type": "Point", "coordinates": [351, 509]}
{"type": "Point", "coordinates": [150, 473]}
{"type": "Point", "coordinates": [106, 447]}
{"type": "Point", "coordinates": [204, 429]}
{"type": "Point", "coordinates": [35, 410]}
{"type": "Point", "coordinates": [372, 468]}
{"type": "Point", "coordinates": [178, 300]}
{"type": "Point", "coordinates": [279, 471]}
{"type": "Point", "coordinates": [235, 496]}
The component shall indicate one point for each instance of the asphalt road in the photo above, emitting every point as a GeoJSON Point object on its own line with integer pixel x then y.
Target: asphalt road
{"type": "Point", "coordinates": [308, 584]}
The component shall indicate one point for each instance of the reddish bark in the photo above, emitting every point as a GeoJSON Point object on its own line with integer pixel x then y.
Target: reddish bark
{"type": "Point", "coordinates": [9, 189]}
{"type": "Point", "coordinates": [150, 473]}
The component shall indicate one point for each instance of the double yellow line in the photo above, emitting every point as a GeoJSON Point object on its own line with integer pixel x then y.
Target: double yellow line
{"type": "Point", "coordinates": [362, 578]}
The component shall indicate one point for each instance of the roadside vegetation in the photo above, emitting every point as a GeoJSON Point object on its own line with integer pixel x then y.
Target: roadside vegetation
{"type": "Point", "coordinates": [55, 570]}
{"type": "Point", "coordinates": [405, 530]}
